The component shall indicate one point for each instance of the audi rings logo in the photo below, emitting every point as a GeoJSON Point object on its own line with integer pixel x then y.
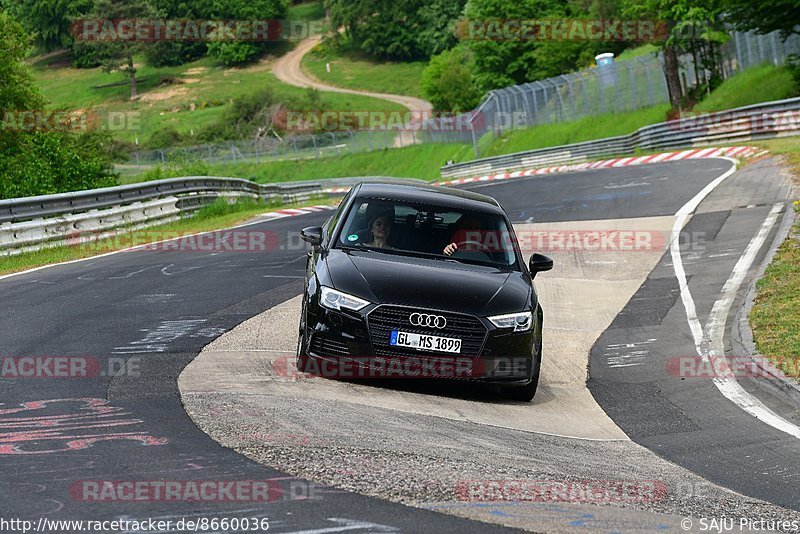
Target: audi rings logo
{"type": "Point", "coordinates": [430, 321]}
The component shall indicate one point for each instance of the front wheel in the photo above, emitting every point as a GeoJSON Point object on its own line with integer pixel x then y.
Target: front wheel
{"type": "Point", "coordinates": [301, 357]}
{"type": "Point", "coordinates": [526, 393]}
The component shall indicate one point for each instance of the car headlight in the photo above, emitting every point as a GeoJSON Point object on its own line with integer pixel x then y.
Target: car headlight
{"type": "Point", "coordinates": [520, 322]}
{"type": "Point", "coordinates": [336, 300]}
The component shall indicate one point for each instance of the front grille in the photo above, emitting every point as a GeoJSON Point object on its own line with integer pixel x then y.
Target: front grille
{"type": "Point", "coordinates": [383, 319]}
{"type": "Point", "coordinates": [325, 347]}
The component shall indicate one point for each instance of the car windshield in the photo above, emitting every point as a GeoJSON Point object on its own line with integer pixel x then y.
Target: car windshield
{"type": "Point", "coordinates": [427, 230]}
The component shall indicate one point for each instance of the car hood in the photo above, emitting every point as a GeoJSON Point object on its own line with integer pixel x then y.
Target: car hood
{"type": "Point", "coordinates": [429, 283]}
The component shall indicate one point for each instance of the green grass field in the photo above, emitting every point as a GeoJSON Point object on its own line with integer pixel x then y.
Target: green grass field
{"type": "Point", "coordinates": [187, 97]}
{"type": "Point", "coordinates": [351, 71]}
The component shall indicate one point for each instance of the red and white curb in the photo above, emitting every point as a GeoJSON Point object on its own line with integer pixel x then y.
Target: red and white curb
{"type": "Point", "coordinates": [291, 212]}
{"type": "Point", "coordinates": [336, 190]}
{"type": "Point", "coordinates": [742, 152]}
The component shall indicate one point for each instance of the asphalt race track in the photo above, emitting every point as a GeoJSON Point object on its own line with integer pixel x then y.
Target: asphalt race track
{"type": "Point", "coordinates": [157, 309]}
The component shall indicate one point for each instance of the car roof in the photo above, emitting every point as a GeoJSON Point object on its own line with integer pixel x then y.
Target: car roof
{"type": "Point", "coordinates": [432, 194]}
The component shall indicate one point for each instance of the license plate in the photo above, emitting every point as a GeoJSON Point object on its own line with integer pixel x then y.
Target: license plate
{"type": "Point", "coordinates": [425, 342]}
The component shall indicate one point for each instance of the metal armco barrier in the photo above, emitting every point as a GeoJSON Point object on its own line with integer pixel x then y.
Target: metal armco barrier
{"type": "Point", "coordinates": [760, 121]}
{"type": "Point", "coordinates": [32, 223]}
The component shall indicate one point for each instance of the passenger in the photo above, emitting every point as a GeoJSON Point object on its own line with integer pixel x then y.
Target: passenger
{"type": "Point", "coordinates": [465, 223]}
{"type": "Point", "coordinates": [381, 229]}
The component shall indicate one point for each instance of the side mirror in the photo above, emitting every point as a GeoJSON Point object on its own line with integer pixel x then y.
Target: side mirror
{"type": "Point", "coordinates": [539, 263]}
{"type": "Point", "coordinates": [312, 235]}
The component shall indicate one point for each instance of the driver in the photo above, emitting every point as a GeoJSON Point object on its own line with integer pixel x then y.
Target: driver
{"type": "Point", "coordinates": [381, 228]}
{"type": "Point", "coordinates": [465, 223]}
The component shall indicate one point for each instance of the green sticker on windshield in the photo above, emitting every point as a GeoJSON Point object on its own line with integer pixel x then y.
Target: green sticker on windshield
{"type": "Point", "coordinates": [352, 237]}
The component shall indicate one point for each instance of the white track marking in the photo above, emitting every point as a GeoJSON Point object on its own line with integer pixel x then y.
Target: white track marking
{"type": "Point", "coordinates": [715, 330]}
{"type": "Point", "coordinates": [711, 343]}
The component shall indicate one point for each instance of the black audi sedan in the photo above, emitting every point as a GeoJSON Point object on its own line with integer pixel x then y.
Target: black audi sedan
{"type": "Point", "coordinates": [421, 281]}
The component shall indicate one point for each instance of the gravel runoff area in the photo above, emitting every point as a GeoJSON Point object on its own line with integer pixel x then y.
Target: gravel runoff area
{"type": "Point", "coordinates": [420, 460]}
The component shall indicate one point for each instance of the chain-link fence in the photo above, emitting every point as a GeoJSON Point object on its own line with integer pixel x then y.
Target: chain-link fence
{"type": "Point", "coordinates": [611, 88]}
{"type": "Point", "coordinates": [616, 87]}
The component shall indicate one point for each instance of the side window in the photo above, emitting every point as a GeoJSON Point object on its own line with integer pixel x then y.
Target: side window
{"type": "Point", "coordinates": [330, 224]}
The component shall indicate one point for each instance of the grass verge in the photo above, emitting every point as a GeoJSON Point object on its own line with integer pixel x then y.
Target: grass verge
{"type": "Point", "coordinates": [418, 161]}
{"type": "Point", "coordinates": [763, 83]}
{"type": "Point", "coordinates": [776, 312]}
{"type": "Point", "coordinates": [216, 216]}
{"type": "Point", "coordinates": [585, 129]}
{"type": "Point", "coordinates": [774, 317]}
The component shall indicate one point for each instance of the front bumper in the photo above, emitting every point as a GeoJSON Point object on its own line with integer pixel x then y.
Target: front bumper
{"type": "Point", "coordinates": [356, 345]}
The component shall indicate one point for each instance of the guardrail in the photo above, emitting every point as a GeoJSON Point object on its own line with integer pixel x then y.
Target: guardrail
{"type": "Point", "coordinates": [760, 121]}
{"type": "Point", "coordinates": [32, 223]}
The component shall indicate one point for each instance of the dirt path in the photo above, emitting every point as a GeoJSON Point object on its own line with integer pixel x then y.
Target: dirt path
{"type": "Point", "coordinates": [288, 70]}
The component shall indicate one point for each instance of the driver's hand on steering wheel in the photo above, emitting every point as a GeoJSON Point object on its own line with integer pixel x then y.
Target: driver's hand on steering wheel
{"type": "Point", "coordinates": [450, 249]}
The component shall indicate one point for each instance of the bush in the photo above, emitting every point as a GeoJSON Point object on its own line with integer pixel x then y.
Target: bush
{"type": "Point", "coordinates": [793, 65]}
{"type": "Point", "coordinates": [165, 137]}
{"type": "Point", "coordinates": [235, 53]}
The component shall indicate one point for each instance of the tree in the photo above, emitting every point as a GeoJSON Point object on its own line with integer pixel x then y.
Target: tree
{"type": "Point", "coordinates": [503, 57]}
{"type": "Point", "coordinates": [116, 54]}
{"type": "Point", "coordinates": [238, 52]}
{"type": "Point", "coordinates": [448, 83]}
{"type": "Point", "coordinates": [168, 53]}
{"type": "Point", "coordinates": [397, 29]}
{"type": "Point", "coordinates": [18, 90]}
{"type": "Point", "coordinates": [695, 19]}
{"type": "Point", "coordinates": [763, 16]}
{"type": "Point", "coordinates": [40, 162]}
{"type": "Point", "coordinates": [49, 20]}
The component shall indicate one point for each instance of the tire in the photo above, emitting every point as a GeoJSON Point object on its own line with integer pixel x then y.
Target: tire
{"type": "Point", "coordinates": [301, 359]}
{"type": "Point", "coordinates": [301, 356]}
{"type": "Point", "coordinates": [526, 393]}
